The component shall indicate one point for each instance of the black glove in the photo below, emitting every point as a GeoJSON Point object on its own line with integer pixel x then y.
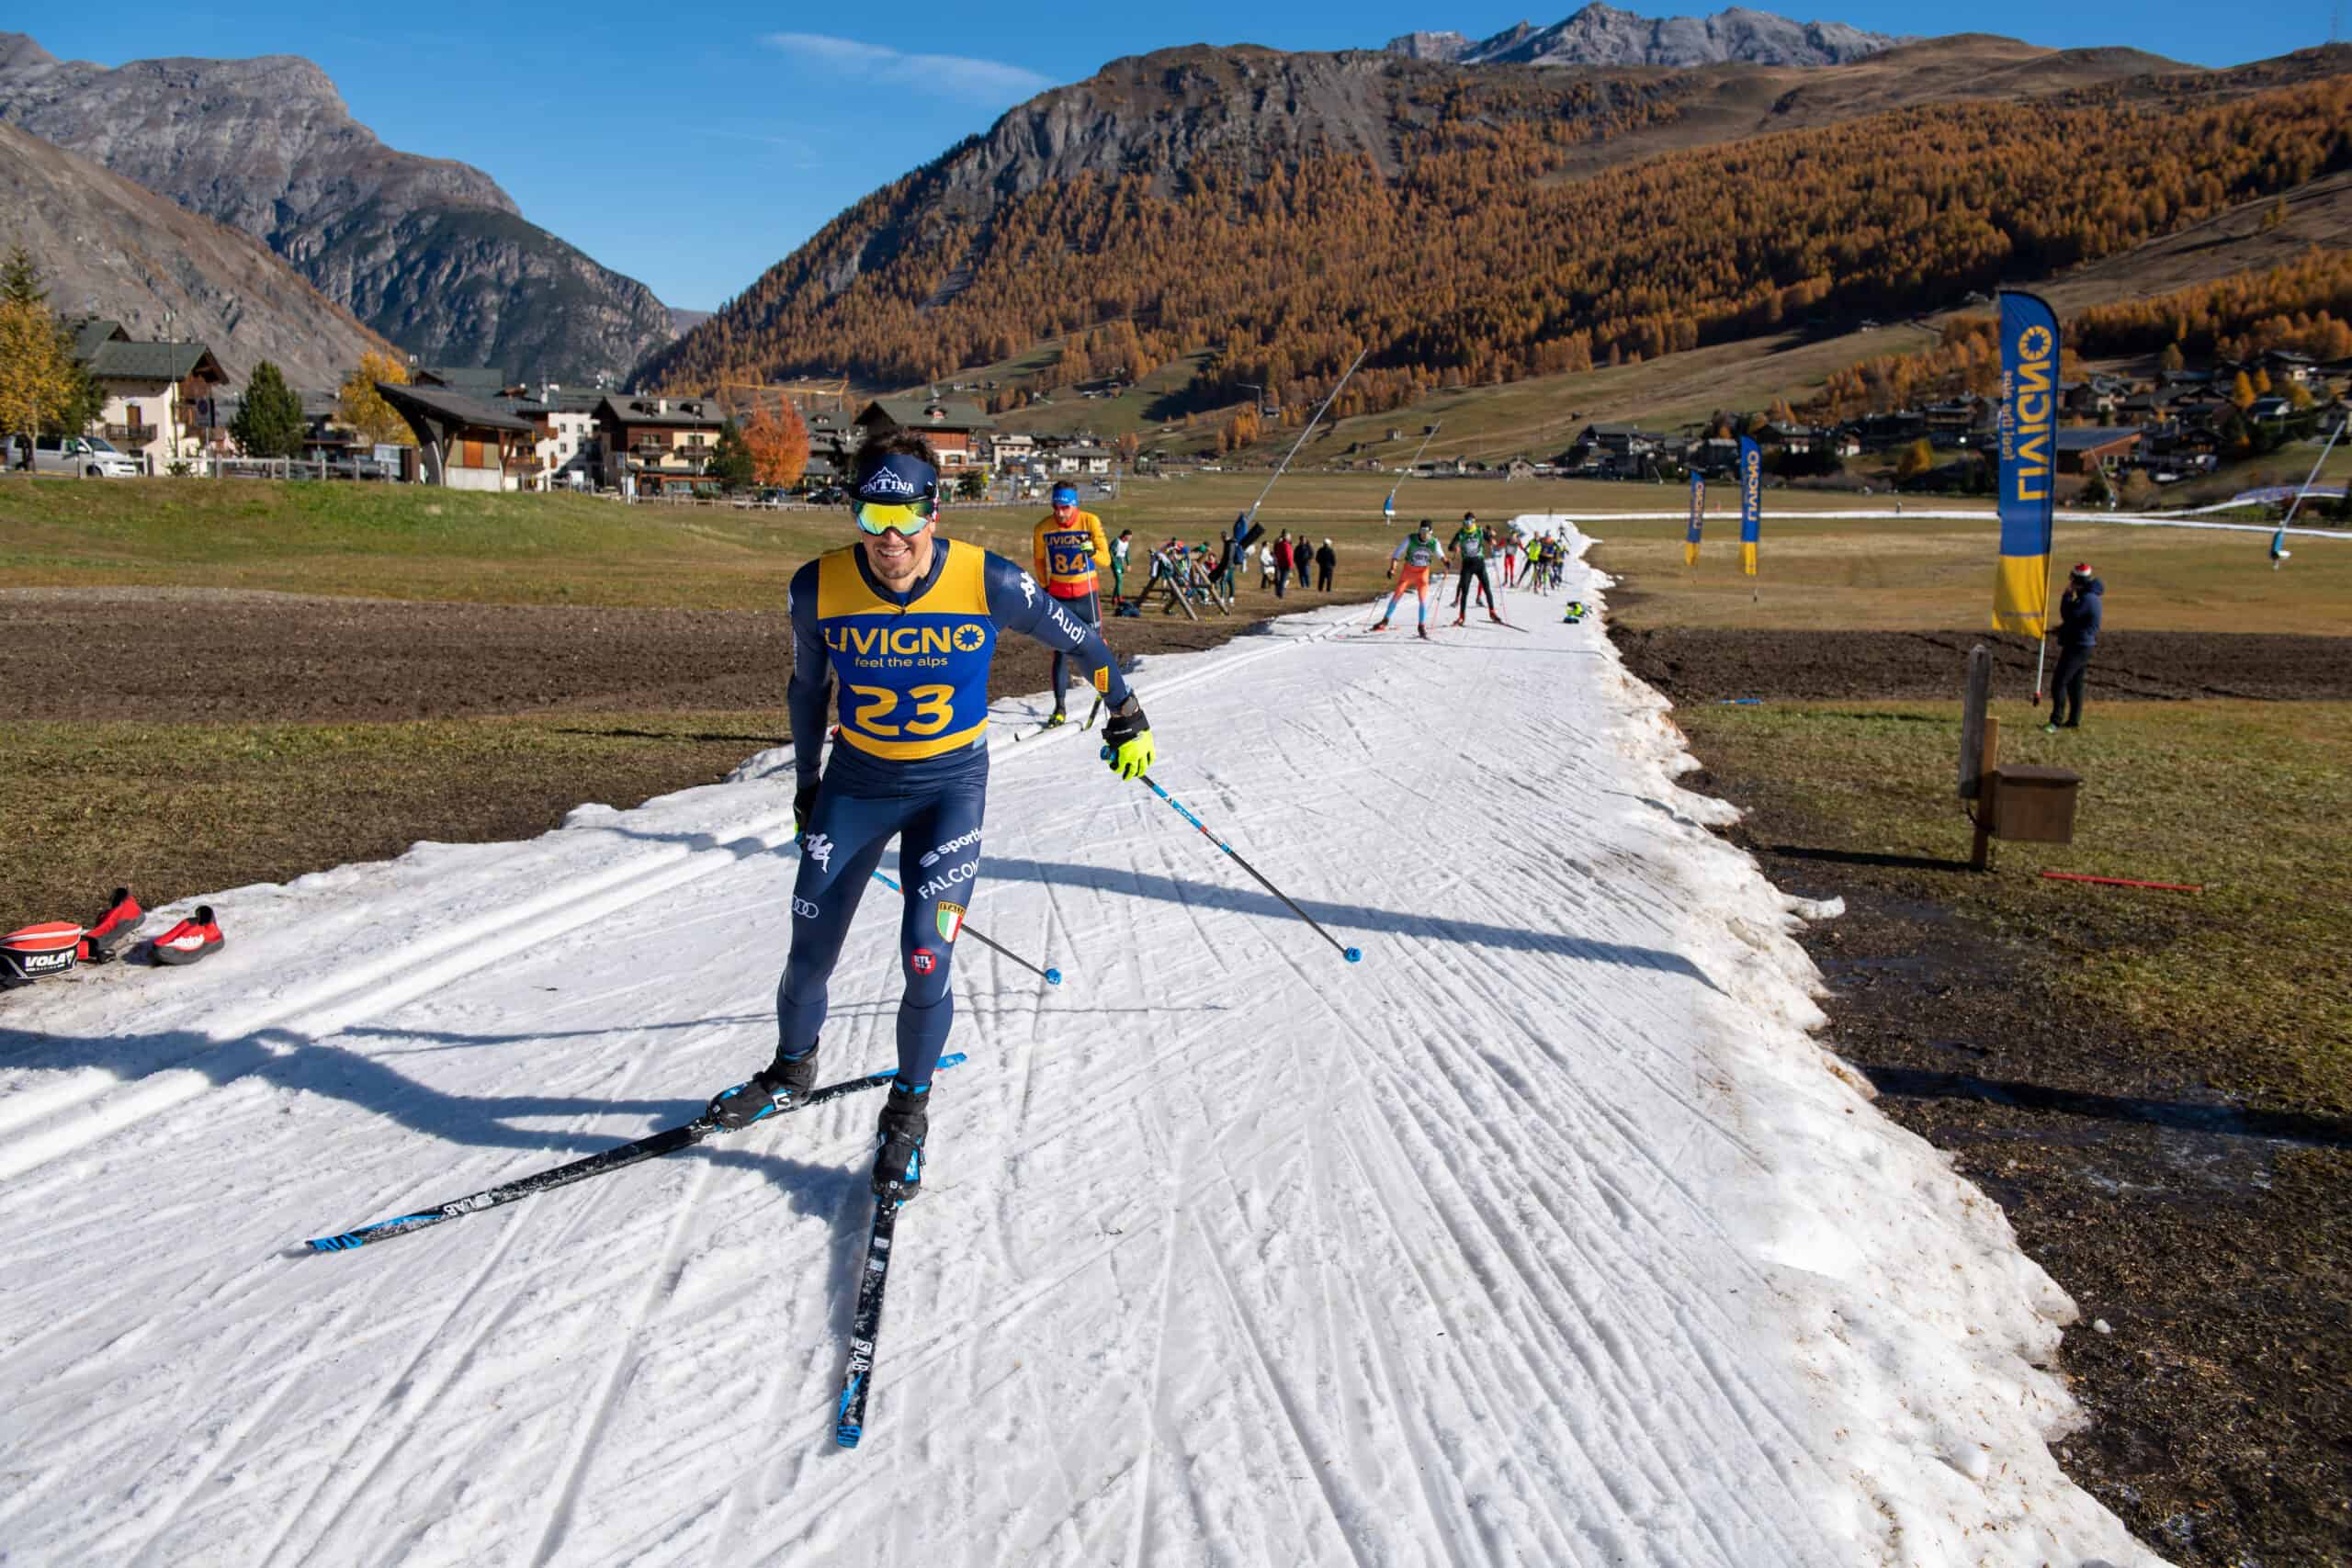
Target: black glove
{"type": "Point", "coordinates": [804, 806]}
{"type": "Point", "coordinates": [1127, 740]}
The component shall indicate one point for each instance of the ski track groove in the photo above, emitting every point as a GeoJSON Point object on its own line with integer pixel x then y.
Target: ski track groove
{"type": "Point", "coordinates": [1154, 1413]}
{"type": "Point", "coordinates": [392, 1388]}
{"type": "Point", "coordinates": [661, 1281]}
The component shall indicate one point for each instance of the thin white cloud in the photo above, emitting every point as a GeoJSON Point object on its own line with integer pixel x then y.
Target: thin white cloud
{"type": "Point", "coordinates": [986, 81]}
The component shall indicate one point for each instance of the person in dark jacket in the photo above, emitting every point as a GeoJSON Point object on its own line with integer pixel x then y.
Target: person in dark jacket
{"type": "Point", "coordinates": [1325, 559]}
{"type": "Point", "coordinates": [2079, 611]}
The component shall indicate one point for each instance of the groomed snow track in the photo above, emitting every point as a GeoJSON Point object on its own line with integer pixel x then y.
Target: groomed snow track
{"type": "Point", "coordinates": [1544, 1236]}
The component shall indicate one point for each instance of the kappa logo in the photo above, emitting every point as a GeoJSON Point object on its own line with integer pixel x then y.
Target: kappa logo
{"type": "Point", "coordinates": [804, 907]}
{"type": "Point", "coordinates": [922, 961]}
{"type": "Point", "coordinates": [932, 856]}
{"type": "Point", "coordinates": [946, 880]}
{"type": "Point", "coordinates": [1028, 588]}
{"type": "Point", "coordinates": [819, 848]}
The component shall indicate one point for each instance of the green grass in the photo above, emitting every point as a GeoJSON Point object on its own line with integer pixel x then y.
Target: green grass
{"type": "Point", "coordinates": [2253, 800]}
{"type": "Point", "coordinates": [1818, 571]}
{"type": "Point", "coordinates": [414, 542]}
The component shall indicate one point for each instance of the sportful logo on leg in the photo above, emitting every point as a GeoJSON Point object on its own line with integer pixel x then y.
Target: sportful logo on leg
{"type": "Point", "coordinates": [950, 921]}
{"type": "Point", "coordinates": [819, 848]}
{"type": "Point", "coordinates": [965, 841]}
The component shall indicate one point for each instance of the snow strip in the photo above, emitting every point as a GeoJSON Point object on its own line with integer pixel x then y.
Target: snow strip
{"type": "Point", "coordinates": [1547, 1234]}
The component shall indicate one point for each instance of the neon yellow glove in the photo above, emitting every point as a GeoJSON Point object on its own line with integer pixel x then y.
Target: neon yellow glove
{"type": "Point", "coordinates": [1127, 740]}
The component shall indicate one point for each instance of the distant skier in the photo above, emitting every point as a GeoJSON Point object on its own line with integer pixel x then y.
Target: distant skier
{"type": "Point", "coordinates": [2080, 610]}
{"type": "Point", "coordinates": [1410, 565]}
{"type": "Point", "coordinates": [1470, 542]}
{"type": "Point", "coordinates": [1120, 548]}
{"type": "Point", "coordinates": [1068, 544]}
{"type": "Point", "coordinates": [907, 623]}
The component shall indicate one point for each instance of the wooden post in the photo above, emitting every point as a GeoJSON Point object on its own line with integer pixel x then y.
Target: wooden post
{"type": "Point", "coordinates": [1972, 719]}
{"type": "Point", "coordinates": [1988, 767]}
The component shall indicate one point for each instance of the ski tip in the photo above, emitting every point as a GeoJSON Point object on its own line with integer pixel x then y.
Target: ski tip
{"type": "Point", "coordinates": [347, 1241]}
{"type": "Point", "coordinates": [1053, 977]}
{"type": "Point", "coordinates": [847, 1436]}
{"type": "Point", "coordinates": [950, 1059]}
{"type": "Point", "coordinates": [1353, 954]}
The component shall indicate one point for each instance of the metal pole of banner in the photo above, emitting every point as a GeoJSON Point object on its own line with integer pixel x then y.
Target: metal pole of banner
{"type": "Point", "coordinates": [2312, 478]}
{"type": "Point", "coordinates": [1427, 436]}
{"type": "Point", "coordinates": [1252, 512]}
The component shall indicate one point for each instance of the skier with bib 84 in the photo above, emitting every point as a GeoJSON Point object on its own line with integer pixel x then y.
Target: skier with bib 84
{"type": "Point", "coordinates": [907, 623]}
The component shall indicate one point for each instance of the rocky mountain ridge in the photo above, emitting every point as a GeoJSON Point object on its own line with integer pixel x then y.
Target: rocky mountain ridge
{"type": "Point", "coordinates": [107, 246]}
{"type": "Point", "coordinates": [1602, 35]}
{"type": "Point", "coordinates": [429, 252]}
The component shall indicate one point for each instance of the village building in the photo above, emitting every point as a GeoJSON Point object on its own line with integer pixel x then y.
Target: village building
{"type": "Point", "coordinates": [2084, 447]}
{"type": "Point", "coordinates": [158, 395]}
{"type": "Point", "coordinates": [953, 426]}
{"type": "Point", "coordinates": [654, 444]}
{"type": "Point", "coordinates": [465, 443]}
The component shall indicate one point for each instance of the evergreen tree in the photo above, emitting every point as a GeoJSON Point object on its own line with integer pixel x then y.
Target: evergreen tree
{"type": "Point", "coordinates": [731, 459]}
{"type": "Point", "coordinates": [271, 423]}
{"type": "Point", "coordinates": [20, 279]}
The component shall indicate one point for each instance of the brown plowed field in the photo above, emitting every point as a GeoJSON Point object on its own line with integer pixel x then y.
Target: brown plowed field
{"type": "Point", "coordinates": [195, 654]}
{"type": "Point", "coordinates": [1709, 664]}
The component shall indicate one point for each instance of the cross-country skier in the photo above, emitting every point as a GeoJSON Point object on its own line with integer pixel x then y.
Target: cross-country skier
{"type": "Point", "coordinates": [907, 622]}
{"type": "Point", "coordinates": [1471, 542]}
{"type": "Point", "coordinates": [1534, 570]}
{"type": "Point", "coordinates": [1418, 552]}
{"type": "Point", "coordinates": [1069, 545]}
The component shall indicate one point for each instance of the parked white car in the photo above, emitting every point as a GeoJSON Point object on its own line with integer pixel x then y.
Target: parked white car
{"type": "Point", "coordinates": [88, 455]}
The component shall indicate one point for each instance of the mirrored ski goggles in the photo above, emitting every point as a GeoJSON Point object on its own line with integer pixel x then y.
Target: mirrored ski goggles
{"type": "Point", "coordinates": [875, 518]}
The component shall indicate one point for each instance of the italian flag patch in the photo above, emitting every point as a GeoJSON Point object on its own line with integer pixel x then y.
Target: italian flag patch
{"type": "Point", "coordinates": [950, 921]}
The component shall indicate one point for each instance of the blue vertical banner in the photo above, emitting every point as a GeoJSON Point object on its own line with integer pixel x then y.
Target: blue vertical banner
{"type": "Point", "coordinates": [1698, 515]}
{"type": "Point", "coordinates": [2029, 435]}
{"type": "Point", "coordinates": [1751, 502]}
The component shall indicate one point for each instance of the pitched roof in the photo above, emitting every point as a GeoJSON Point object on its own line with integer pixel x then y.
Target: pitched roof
{"type": "Point", "coordinates": [670, 414]}
{"type": "Point", "coordinates": [2084, 437]}
{"type": "Point", "coordinates": [445, 407]}
{"type": "Point", "coordinates": [91, 331]}
{"type": "Point", "coordinates": [476, 380]}
{"type": "Point", "coordinates": [929, 414]}
{"type": "Point", "coordinates": [120, 361]}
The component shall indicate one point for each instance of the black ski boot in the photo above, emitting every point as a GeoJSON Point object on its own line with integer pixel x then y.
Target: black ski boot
{"type": "Point", "coordinates": [898, 1139]}
{"type": "Point", "coordinates": [772, 1088]}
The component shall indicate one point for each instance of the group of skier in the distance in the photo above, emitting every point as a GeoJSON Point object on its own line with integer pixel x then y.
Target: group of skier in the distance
{"type": "Point", "coordinates": [1419, 555]}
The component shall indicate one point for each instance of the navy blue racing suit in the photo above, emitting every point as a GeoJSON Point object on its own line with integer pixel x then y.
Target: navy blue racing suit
{"type": "Point", "coordinates": [911, 761]}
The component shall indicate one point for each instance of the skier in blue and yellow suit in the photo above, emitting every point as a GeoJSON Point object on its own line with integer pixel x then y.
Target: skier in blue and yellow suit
{"type": "Point", "coordinates": [1070, 547]}
{"type": "Point", "coordinates": [907, 623]}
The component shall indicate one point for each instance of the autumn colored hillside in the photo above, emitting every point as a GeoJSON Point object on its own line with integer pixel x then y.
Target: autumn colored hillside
{"type": "Point", "coordinates": [1458, 226]}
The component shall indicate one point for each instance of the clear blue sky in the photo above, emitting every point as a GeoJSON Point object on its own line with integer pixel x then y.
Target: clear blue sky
{"type": "Point", "coordinates": [694, 146]}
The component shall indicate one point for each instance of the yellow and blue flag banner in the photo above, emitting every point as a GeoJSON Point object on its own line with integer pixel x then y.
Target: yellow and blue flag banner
{"type": "Point", "coordinates": [1698, 512]}
{"type": "Point", "coordinates": [2028, 431]}
{"type": "Point", "coordinates": [1751, 502]}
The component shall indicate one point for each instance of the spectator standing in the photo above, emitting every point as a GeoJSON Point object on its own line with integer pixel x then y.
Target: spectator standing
{"type": "Point", "coordinates": [1325, 559]}
{"type": "Point", "coordinates": [2080, 610]}
{"type": "Point", "coordinates": [1281, 561]}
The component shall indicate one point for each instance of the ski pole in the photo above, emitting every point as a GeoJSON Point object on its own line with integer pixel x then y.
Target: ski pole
{"type": "Point", "coordinates": [1052, 976]}
{"type": "Point", "coordinates": [1353, 954]}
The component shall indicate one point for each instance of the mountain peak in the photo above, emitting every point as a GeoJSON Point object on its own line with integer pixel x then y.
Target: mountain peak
{"type": "Point", "coordinates": [1602, 34]}
{"type": "Point", "coordinates": [16, 50]}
